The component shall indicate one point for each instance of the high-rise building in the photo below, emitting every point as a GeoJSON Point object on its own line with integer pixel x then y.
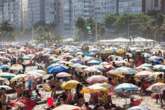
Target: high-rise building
{"type": "Point", "coordinates": [103, 8]}
{"type": "Point", "coordinates": [96, 9]}
{"type": "Point", "coordinates": [43, 11]}
{"type": "Point", "coordinates": [15, 12]}
{"type": "Point", "coordinates": [7, 11]}
{"type": "Point", "coordinates": [36, 12]}
{"type": "Point", "coordinates": [64, 13]}
{"type": "Point", "coordinates": [130, 6]}
{"type": "Point", "coordinates": [157, 5]}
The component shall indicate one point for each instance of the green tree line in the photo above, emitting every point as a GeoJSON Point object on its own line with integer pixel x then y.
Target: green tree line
{"type": "Point", "coordinates": [150, 25]}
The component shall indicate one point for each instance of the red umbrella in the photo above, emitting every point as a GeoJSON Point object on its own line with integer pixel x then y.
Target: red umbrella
{"type": "Point", "coordinates": [26, 103]}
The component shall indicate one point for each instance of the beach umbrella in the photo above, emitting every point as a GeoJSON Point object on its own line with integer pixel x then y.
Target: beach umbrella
{"type": "Point", "coordinates": [40, 71]}
{"type": "Point", "coordinates": [146, 55]}
{"type": "Point", "coordinates": [78, 65]}
{"type": "Point", "coordinates": [63, 75]}
{"type": "Point", "coordinates": [97, 79]}
{"type": "Point", "coordinates": [94, 50]}
{"type": "Point", "coordinates": [4, 80]}
{"type": "Point", "coordinates": [67, 107]}
{"type": "Point", "coordinates": [57, 69]}
{"type": "Point", "coordinates": [96, 88]}
{"type": "Point", "coordinates": [7, 75]}
{"type": "Point", "coordinates": [145, 65]}
{"type": "Point", "coordinates": [126, 87]}
{"type": "Point", "coordinates": [99, 67]}
{"type": "Point", "coordinates": [5, 87]}
{"type": "Point", "coordinates": [109, 50]}
{"type": "Point", "coordinates": [156, 87]}
{"type": "Point", "coordinates": [159, 67]}
{"type": "Point", "coordinates": [156, 74]}
{"type": "Point", "coordinates": [155, 58]}
{"type": "Point", "coordinates": [126, 70]}
{"type": "Point", "coordinates": [27, 103]}
{"type": "Point", "coordinates": [144, 73]}
{"type": "Point", "coordinates": [93, 89]}
{"type": "Point", "coordinates": [76, 60]}
{"type": "Point", "coordinates": [18, 77]}
{"type": "Point", "coordinates": [4, 67]}
{"type": "Point", "coordinates": [55, 60]}
{"type": "Point", "coordinates": [94, 62]}
{"type": "Point", "coordinates": [37, 72]}
{"type": "Point", "coordinates": [92, 69]}
{"type": "Point", "coordinates": [79, 53]}
{"type": "Point", "coordinates": [87, 58]}
{"type": "Point", "coordinates": [34, 75]}
{"type": "Point", "coordinates": [71, 84]}
{"type": "Point", "coordinates": [120, 51]}
{"type": "Point", "coordinates": [123, 70]}
{"type": "Point", "coordinates": [16, 67]}
{"type": "Point", "coordinates": [2, 52]}
{"type": "Point", "coordinates": [139, 108]}
{"type": "Point", "coordinates": [26, 57]}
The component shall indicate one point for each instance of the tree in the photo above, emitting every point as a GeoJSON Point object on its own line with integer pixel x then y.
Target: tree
{"type": "Point", "coordinates": [87, 29]}
{"type": "Point", "coordinates": [6, 31]}
{"type": "Point", "coordinates": [46, 33]}
{"type": "Point", "coordinates": [110, 20]}
{"type": "Point", "coordinates": [128, 24]}
{"type": "Point", "coordinates": [80, 24]}
{"type": "Point", "coordinates": [157, 23]}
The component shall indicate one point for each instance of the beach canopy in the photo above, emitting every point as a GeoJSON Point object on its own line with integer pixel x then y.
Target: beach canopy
{"type": "Point", "coordinates": [67, 107]}
{"type": "Point", "coordinates": [126, 87]}
{"type": "Point", "coordinates": [71, 84]}
{"type": "Point", "coordinates": [54, 69]}
{"type": "Point", "coordinates": [97, 79]}
{"type": "Point", "coordinates": [139, 108]}
{"type": "Point", "coordinates": [157, 87]}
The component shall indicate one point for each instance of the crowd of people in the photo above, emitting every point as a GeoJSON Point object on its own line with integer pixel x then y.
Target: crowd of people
{"type": "Point", "coordinates": [87, 77]}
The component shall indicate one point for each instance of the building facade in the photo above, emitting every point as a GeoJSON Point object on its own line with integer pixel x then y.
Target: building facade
{"type": "Point", "coordinates": [96, 9]}
{"type": "Point", "coordinates": [157, 5]}
{"type": "Point", "coordinates": [64, 13]}
{"type": "Point", "coordinates": [8, 11]}
{"type": "Point", "coordinates": [129, 6]}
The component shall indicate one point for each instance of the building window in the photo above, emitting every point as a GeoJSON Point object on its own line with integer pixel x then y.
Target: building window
{"type": "Point", "coordinates": [156, 3]}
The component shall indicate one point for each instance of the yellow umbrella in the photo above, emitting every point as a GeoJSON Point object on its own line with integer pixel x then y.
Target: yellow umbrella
{"type": "Point", "coordinates": [98, 87]}
{"type": "Point", "coordinates": [70, 84]}
{"type": "Point", "coordinates": [120, 51]}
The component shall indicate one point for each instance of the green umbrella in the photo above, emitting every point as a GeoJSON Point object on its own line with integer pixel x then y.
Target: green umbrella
{"type": "Point", "coordinates": [7, 75]}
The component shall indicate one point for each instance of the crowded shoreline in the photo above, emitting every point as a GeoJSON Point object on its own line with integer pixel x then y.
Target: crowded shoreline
{"type": "Point", "coordinates": [81, 77]}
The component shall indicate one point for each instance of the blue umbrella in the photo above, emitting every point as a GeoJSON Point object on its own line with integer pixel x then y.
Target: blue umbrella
{"type": "Point", "coordinates": [156, 59]}
{"type": "Point", "coordinates": [4, 67]}
{"type": "Point", "coordinates": [126, 87]}
{"type": "Point", "coordinates": [57, 69]}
